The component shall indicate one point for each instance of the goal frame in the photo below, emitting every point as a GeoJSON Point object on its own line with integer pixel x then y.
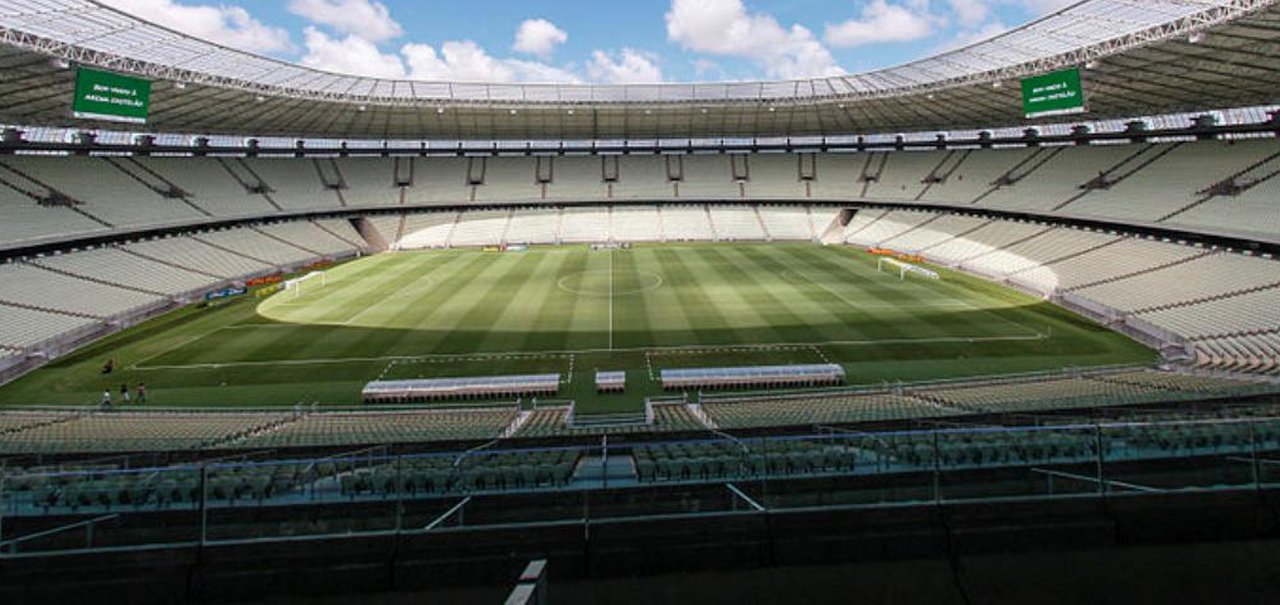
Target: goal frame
{"type": "Point", "coordinates": [295, 284]}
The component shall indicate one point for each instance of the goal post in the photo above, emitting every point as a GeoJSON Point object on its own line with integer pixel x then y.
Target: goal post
{"type": "Point", "coordinates": [306, 283]}
{"type": "Point", "coordinates": [904, 269]}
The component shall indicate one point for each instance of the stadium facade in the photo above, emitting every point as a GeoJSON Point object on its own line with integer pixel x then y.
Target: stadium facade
{"type": "Point", "coordinates": [1150, 210]}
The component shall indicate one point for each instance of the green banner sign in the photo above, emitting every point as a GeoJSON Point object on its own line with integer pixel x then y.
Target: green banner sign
{"type": "Point", "coordinates": [103, 95]}
{"type": "Point", "coordinates": [1053, 94]}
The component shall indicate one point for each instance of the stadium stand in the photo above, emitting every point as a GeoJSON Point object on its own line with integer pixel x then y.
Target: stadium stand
{"type": "Point", "coordinates": [819, 409]}
{"type": "Point", "coordinates": [103, 192]}
{"type": "Point", "coordinates": [426, 230]}
{"type": "Point", "coordinates": [34, 287]}
{"type": "Point", "coordinates": [194, 255]}
{"type": "Point", "coordinates": [367, 181]}
{"type": "Point", "coordinates": [481, 228]}
{"type": "Point", "coordinates": [534, 226]}
{"type": "Point", "coordinates": [293, 185]}
{"type": "Point", "coordinates": [24, 328]}
{"type": "Point", "coordinates": [577, 178]}
{"type": "Point", "coordinates": [438, 181]}
{"type": "Point", "coordinates": [589, 225]}
{"type": "Point", "coordinates": [968, 174]}
{"type": "Point", "coordinates": [118, 266]}
{"type": "Point", "coordinates": [637, 224]}
{"type": "Point", "coordinates": [789, 223]}
{"type": "Point", "coordinates": [23, 220]}
{"type": "Point", "coordinates": [775, 176]}
{"type": "Point", "coordinates": [310, 237]}
{"type": "Point", "coordinates": [686, 223]}
{"type": "Point", "coordinates": [737, 223]}
{"type": "Point", "coordinates": [209, 186]}
{"type": "Point", "coordinates": [141, 431]}
{"type": "Point", "coordinates": [358, 428]}
{"type": "Point", "coordinates": [256, 245]}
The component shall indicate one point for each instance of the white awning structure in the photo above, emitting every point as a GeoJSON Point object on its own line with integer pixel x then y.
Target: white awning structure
{"type": "Point", "coordinates": [1141, 57]}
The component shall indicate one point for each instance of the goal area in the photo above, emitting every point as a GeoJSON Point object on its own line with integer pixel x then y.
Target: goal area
{"type": "Point", "coordinates": [306, 284]}
{"type": "Point", "coordinates": [903, 269]}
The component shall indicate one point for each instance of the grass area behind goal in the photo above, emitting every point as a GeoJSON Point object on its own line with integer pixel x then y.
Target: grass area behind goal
{"type": "Point", "coordinates": [574, 311]}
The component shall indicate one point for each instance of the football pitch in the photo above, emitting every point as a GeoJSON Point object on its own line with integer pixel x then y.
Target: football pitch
{"type": "Point", "coordinates": [574, 311]}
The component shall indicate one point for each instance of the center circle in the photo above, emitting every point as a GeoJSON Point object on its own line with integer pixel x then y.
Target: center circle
{"type": "Point", "coordinates": [597, 283]}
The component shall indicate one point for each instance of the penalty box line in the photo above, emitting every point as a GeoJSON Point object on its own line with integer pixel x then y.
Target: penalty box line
{"type": "Point", "coordinates": [570, 353]}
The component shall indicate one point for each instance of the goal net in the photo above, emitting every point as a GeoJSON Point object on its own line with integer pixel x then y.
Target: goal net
{"type": "Point", "coordinates": [903, 269]}
{"type": "Point", "coordinates": [306, 284]}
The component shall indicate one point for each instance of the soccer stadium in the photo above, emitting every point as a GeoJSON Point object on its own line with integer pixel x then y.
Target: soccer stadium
{"type": "Point", "coordinates": [999, 322]}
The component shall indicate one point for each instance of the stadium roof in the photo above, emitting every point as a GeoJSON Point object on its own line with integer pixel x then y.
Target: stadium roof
{"type": "Point", "coordinates": [1141, 57]}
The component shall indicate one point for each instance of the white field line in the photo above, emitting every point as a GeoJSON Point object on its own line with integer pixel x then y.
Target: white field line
{"type": "Point", "coordinates": [358, 314]}
{"type": "Point", "coordinates": [685, 349]}
{"type": "Point", "coordinates": [951, 304]}
{"type": "Point", "coordinates": [610, 299]}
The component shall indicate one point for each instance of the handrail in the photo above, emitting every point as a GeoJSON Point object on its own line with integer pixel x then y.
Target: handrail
{"type": "Point", "coordinates": [89, 523]}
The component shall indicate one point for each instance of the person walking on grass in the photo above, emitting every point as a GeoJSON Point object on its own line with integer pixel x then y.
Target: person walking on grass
{"type": "Point", "coordinates": [142, 393]}
{"type": "Point", "coordinates": [124, 393]}
{"type": "Point", "coordinates": [106, 399]}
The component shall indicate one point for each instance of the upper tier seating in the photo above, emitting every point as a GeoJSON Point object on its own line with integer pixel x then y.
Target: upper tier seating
{"type": "Point", "coordinates": [774, 176]}
{"type": "Point", "coordinates": [104, 191]}
{"type": "Point", "coordinates": [973, 176]}
{"type": "Point", "coordinates": [295, 185]}
{"type": "Point", "coordinates": [369, 181]}
{"type": "Point", "coordinates": [210, 186]}
{"type": "Point", "coordinates": [23, 220]}
{"type": "Point", "coordinates": [1169, 184]}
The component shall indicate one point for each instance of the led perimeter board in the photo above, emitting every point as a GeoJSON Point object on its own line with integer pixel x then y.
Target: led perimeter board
{"type": "Point", "coordinates": [1052, 94]}
{"type": "Point", "coordinates": [102, 95]}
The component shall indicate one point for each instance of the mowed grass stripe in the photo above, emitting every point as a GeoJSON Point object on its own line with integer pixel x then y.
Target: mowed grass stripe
{"type": "Point", "coordinates": [706, 320]}
{"type": "Point", "coordinates": [857, 323]}
{"type": "Point", "coordinates": [524, 321]}
{"type": "Point", "coordinates": [917, 315]}
{"type": "Point", "coordinates": [762, 303]}
{"type": "Point", "coordinates": [589, 314]}
{"type": "Point", "coordinates": [468, 314]}
{"type": "Point", "coordinates": [631, 325]}
{"type": "Point", "coordinates": [661, 307]}
{"type": "Point", "coordinates": [347, 301]}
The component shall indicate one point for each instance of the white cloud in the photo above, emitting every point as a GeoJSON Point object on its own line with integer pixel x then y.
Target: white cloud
{"type": "Point", "coordinates": [970, 12]}
{"type": "Point", "coordinates": [367, 19]}
{"type": "Point", "coordinates": [967, 37]}
{"type": "Point", "coordinates": [724, 27]}
{"type": "Point", "coordinates": [466, 61]}
{"type": "Point", "coordinates": [630, 66]}
{"type": "Point", "coordinates": [539, 37]}
{"type": "Point", "coordinates": [881, 22]}
{"type": "Point", "coordinates": [1044, 7]}
{"type": "Point", "coordinates": [224, 24]}
{"type": "Point", "coordinates": [349, 55]}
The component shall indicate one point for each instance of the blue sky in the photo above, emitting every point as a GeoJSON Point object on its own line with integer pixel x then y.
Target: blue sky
{"type": "Point", "coordinates": [603, 41]}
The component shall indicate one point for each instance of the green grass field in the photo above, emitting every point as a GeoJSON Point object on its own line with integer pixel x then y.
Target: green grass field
{"type": "Point", "coordinates": [573, 311]}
